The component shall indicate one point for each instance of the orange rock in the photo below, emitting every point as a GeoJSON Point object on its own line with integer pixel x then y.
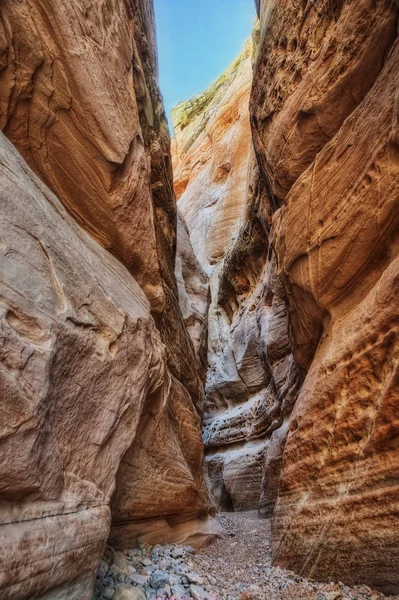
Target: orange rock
{"type": "Point", "coordinates": [210, 152]}
{"type": "Point", "coordinates": [252, 380]}
{"type": "Point", "coordinates": [324, 116]}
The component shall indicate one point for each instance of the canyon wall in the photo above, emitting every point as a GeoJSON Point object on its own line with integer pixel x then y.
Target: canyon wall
{"type": "Point", "coordinates": [324, 112]}
{"type": "Point", "coordinates": [101, 392]}
{"type": "Point", "coordinates": [252, 380]}
{"type": "Point", "coordinates": [210, 151]}
{"type": "Point", "coordinates": [302, 397]}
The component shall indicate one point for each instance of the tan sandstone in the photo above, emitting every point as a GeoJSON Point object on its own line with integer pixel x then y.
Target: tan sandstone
{"type": "Point", "coordinates": [252, 380]}
{"type": "Point", "coordinates": [84, 381]}
{"type": "Point", "coordinates": [101, 405]}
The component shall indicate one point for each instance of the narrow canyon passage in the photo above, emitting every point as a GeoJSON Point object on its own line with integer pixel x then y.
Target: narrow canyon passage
{"type": "Point", "coordinates": [199, 356]}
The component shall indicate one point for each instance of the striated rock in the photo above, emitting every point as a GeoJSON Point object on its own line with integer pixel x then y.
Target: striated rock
{"type": "Point", "coordinates": [79, 99]}
{"type": "Point", "coordinates": [324, 116]}
{"type": "Point", "coordinates": [193, 288]}
{"type": "Point", "coordinates": [210, 149]}
{"type": "Point", "coordinates": [72, 94]}
{"type": "Point", "coordinates": [315, 65]}
{"type": "Point", "coordinates": [252, 381]}
{"type": "Point", "coordinates": [84, 377]}
{"type": "Point", "coordinates": [126, 592]}
{"type": "Point", "coordinates": [237, 484]}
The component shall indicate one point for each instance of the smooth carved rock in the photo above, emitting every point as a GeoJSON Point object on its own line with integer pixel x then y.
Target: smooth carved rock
{"type": "Point", "coordinates": [252, 380]}
{"type": "Point", "coordinates": [236, 474]}
{"type": "Point", "coordinates": [210, 152]}
{"type": "Point", "coordinates": [193, 288]}
{"type": "Point", "coordinates": [324, 113]}
{"type": "Point", "coordinates": [79, 99]}
{"type": "Point", "coordinates": [72, 90]}
{"type": "Point", "coordinates": [252, 387]}
{"type": "Point", "coordinates": [83, 376]}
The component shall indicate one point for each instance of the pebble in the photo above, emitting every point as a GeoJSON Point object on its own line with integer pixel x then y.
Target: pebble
{"type": "Point", "coordinates": [159, 579]}
{"type": "Point", "coordinates": [194, 578]}
{"type": "Point", "coordinates": [198, 592]}
{"type": "Point", "coordinates": [146, 562]}
{"type": "Point", "coordinates": [108, 593]}
{"type": "Point", "coordinates": [139, 579]}
{"type": "Point", "coordinates": [126, 592]}
{"type": "Point", "coordinates": [332, 595]}
{"type": "Point", "coordinates": [179, 591]}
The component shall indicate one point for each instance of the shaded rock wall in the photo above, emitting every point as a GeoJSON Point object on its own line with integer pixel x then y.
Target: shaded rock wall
{"type": "Point", "coordinates": [324, 116]}
{"type": "Point", "coordinates": [79, 99]}
{"type": "Point", "coordinates": [84, 379]}
{"type": "Point", "coordinates": [101, 388]}
{"type": "Point", "coordinates": [193, 287]}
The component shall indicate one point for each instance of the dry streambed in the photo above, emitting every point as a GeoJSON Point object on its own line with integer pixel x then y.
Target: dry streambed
{"type": "Point", "coordinates": [236, 567]}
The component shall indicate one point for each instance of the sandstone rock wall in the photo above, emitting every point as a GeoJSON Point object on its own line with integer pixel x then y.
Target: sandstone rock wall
{"type": "Point", "coordinates": [324, 112]}
{"type": "Point", "coordinates": [193, 287]}
{"type": "Point", "coordinates": [210, 151]}
{"type": "Point", "coordinates": [84, 379]}
{"type": "Point", "coordinates": [79, 99]}
{"type": "Point", "coordinates": [101, 387]}
{"type": "Point", "coordinates": [252, 380]}
{"type": "Point", "coordinates": [304, 287]}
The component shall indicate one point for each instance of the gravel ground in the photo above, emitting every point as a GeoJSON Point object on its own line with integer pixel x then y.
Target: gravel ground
{"type": "Point", "coordinates": [240, 565]}
{"type": "Point", "coordinates": [236, 567]}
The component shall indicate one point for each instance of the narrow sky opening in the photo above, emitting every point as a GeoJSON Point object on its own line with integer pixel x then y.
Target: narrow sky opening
{"type": "Point", "coordinates": [197, 40]}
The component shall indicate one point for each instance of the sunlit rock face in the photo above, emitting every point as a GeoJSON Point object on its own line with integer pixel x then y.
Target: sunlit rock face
{"type": "Point", "coordinates": [101, 384]}
{"type": "Point", "coordinates": [324, 117]}
{"type": "Point", "coordinates": [252, 380]}
{"type": "Point", "coordinates": [210, 150]}
{"type": "Point", "coordinates": [193, 288]}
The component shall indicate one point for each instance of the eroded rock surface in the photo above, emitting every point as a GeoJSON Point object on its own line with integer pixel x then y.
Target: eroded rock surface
{"type": "Point", "coordinates": [80, 101]}
{"type": "Point", "coordinates": [193, 288]}
{"type": "Point", "coordinates": [252, 380]}
{"type": "Point", "coordinates": [84, 382]}
{"type": "Point", "coordinates": [102, 384]}
{"type": "Point", "coordinates": [304, 297]}
{"type": "Point", "coordinates": [324, 116]}
{"type": "Point", "coordinates": [210, 149]}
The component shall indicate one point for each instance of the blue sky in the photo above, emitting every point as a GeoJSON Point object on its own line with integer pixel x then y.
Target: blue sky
{"type": "Point", "coordinates": [197, 40]}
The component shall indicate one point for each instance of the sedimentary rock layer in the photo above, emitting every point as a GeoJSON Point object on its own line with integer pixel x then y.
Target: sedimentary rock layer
{"type": "Point", "coordinates": [324, 111]}
{"type": "Point", "coordinates": [101, 404]}
{"type": "Point", "coordinates": [193, 288]}
{"type": "Point", "coordinates": [210, 151]}
{"type": "Point", "coordinates": [80, 101]}
{"type": "Point", "coordinates": [252, 380]}
{"type": "Point", "coordinates": [85, 385]}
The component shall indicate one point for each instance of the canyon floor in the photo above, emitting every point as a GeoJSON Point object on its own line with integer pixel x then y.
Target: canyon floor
{"type": "Point", "coordinates": [236, 567]}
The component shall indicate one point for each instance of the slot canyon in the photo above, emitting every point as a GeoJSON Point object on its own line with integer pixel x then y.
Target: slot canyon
{"type": "Point", "coordinates": [199, 329]}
